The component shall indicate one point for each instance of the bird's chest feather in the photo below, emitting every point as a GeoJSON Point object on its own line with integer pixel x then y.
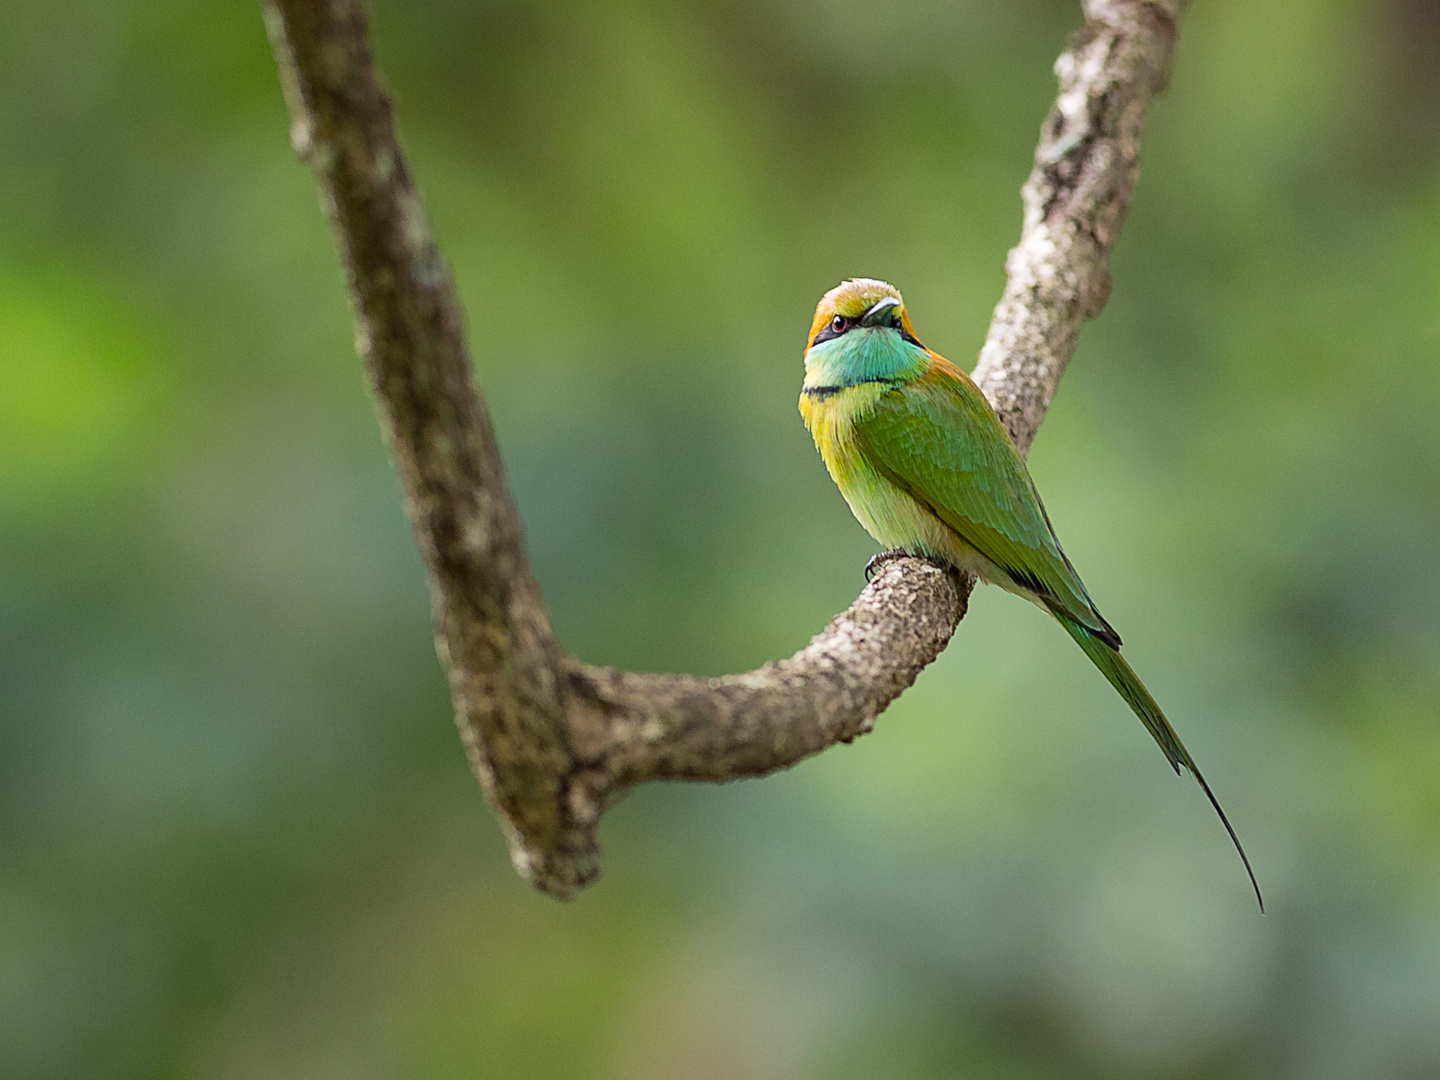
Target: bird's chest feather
{"type": "Point", "coordinates": [831, 419]}
{"type": "Point", "coordinates": [888, 513]}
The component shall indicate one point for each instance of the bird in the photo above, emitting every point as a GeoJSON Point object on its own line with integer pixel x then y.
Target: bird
{"type": "Point", "coordinates": [929, 470]}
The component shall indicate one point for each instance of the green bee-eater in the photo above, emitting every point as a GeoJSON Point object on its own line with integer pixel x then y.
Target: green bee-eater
{"type": "Point", "coordinates": [928, 469]}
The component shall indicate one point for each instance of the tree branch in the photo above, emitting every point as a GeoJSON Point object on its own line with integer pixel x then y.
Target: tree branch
{"type": "Point", "coordinates": [550, 738]}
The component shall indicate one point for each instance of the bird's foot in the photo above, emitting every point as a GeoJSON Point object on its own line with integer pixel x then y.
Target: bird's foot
{"type": "Point", "coordinates": [881, 558]}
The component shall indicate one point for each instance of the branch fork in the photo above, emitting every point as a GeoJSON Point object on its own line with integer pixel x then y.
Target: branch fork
{"type": "Point", "coordinates": [550, 738]}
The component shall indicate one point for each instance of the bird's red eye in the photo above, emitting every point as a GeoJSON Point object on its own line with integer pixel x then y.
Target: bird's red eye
{"type": "Point", "coordinates": [839, 323]}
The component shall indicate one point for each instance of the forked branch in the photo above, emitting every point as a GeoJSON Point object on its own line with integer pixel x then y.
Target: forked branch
{"type": "Point", "coordinates": [550, 738]}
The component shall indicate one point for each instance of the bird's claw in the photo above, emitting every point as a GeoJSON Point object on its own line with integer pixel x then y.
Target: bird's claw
{"type": "Point", "coordinates": [879, 559]}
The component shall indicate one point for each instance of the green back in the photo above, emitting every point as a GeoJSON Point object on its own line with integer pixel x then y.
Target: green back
{"type": "Point", "coordinates": [938, 439]}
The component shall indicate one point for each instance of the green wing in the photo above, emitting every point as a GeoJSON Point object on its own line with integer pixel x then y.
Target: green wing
{"type": "Point", "coordinates": [937, 439]}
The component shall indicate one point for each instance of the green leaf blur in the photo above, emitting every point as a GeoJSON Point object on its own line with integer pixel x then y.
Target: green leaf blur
{"type": "Point", "coordinates": [238, 836]}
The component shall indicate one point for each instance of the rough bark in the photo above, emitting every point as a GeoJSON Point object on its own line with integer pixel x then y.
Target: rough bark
{"type": "Point", "coordinates": [551, 738]}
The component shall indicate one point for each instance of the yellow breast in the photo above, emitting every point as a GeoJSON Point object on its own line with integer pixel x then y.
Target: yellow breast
{"type": "Point", "coordinates": [830, 419]}
{"type": "Point", "coordinates": [888, 513]}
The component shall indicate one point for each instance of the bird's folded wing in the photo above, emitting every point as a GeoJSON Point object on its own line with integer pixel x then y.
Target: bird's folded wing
{"type": "Point", "coordinates": [937, 439]}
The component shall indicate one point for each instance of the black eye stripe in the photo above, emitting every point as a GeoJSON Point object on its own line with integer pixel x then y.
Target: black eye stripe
{"type": "Point", "coordinates": [829, 333]}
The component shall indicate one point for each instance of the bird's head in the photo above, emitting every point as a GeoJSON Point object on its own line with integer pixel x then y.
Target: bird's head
{"type": "Point", "coordinates": [860, 304]}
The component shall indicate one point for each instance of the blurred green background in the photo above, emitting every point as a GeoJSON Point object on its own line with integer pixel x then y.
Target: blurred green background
{"type": "Point", "coordinates": [238, 836]}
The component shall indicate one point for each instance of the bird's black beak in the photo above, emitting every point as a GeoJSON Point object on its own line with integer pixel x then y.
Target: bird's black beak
{"type": "Point", "coordinates": [882, 313]}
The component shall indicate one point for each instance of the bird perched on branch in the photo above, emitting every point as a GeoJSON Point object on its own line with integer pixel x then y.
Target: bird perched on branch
{"type": "Point", "coordinates": [928, 469]}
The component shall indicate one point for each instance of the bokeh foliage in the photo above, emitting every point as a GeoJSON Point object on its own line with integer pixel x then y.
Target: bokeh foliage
{"type": "Point", "coordinates": [238, 837]}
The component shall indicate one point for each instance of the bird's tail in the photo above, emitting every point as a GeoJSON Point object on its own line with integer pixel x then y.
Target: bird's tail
{"type": "Point", "coordinates": [1122, 676]}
